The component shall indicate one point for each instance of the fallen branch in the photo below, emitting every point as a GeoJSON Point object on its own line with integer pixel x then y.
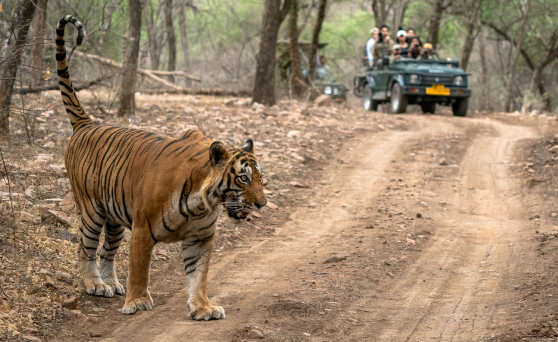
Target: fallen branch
{"type": "Point", "coordinates": [189, 91]}
{"type": "Point", "coordinates": [77, 87]}
{"type": "Point", "coordinates": [147, 72]}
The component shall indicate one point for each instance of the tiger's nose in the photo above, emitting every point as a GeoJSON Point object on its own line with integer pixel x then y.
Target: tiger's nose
{"type": "Point", "coordinates": [260, 204]}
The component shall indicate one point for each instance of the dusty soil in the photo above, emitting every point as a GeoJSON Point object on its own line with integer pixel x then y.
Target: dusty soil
{"type": "Point", "coordinates": [443, 229]}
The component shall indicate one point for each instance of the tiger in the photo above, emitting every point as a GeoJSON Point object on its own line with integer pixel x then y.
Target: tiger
{"type": "Point", "coordinates": [163, 189]}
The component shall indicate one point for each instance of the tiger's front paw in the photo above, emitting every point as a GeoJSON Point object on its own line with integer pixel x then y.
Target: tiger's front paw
{"type": "Point", "coordinates": [207, 312]}
{"type": "Point", "coordinates": [133, 305]}
{"type": "Point", "coordinates": [97, 287]}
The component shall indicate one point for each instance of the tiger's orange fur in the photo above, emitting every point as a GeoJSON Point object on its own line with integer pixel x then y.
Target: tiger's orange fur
{"type": "Point", "coordinates": [164, 190]}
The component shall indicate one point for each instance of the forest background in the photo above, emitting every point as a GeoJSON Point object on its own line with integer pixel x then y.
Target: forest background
{"type": "Point", "coordinates": [509, 47]}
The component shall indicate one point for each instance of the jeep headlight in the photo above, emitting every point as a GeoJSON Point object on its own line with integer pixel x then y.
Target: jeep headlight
{"type": "Point", "coordinates": [458, 81]}
{"type": "Point", "coordinates": [414, 79]}
{"type": "Point", "coordinates": [327, 90]}
{"type": "Point", "coordinates": [335, 91]}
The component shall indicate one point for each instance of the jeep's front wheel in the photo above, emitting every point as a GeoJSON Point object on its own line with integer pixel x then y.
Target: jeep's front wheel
{"type": "Point", "coordinates": [398, 99]}
{"type": "Point", "coordinates": [460, 107]}
{"type": "Point", "coordinates": [368, 103]}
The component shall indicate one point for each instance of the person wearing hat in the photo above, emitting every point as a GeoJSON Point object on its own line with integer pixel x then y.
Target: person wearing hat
{"type": "Point", "coordinates": [402, 41]}
{"type": "Point", "coordinates": [370, 45]}
{"type": "Point", "coordinates": [396, 53]}
{"type": "Point", "coordinates": [428, 52]}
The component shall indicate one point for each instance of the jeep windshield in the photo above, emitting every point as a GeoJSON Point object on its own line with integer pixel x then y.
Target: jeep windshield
{"type": "Point", "coordinates": [425, 64]}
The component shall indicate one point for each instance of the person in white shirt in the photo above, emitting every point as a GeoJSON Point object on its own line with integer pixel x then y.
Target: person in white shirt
{"type": "Point", "coordinates": [370, 45]}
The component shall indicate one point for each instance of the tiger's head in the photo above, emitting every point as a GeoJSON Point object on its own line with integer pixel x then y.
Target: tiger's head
{"type": "Point", "coordinates": [239, 179]}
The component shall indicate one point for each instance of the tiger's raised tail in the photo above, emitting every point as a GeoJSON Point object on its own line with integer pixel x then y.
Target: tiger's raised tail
{"type": "Point", "coordinates": [77, 115]}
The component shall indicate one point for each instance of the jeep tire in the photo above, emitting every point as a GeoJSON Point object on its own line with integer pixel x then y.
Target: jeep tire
{"type": "Point", "coordinates": [398, 101]}
{"type": "Point", "coordinates": [368, 102]}
{"type": "Point", "coordinates": [460, 107]}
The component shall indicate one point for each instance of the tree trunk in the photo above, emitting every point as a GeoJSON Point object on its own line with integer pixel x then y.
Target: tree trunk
{"type": "Point", "coordinates": [264, 84]}
{"type": "Point", "coordinates": [520, 37]}
{"type": "Point", "coordinates": [171, 38]}
{"type": "Point", "coordinates": [470, 37]}
{"type": "Point", "coordinates": [106, 24]}
{"type": "Point", "coordinates": [536, 79]}
{"type": "Point", "coordinates": [435, 20]}
{"type": "Point", "coordinates": [485, 84]}
{"type": "Point", "coordinates": [25, 10]}
{"type": "Point", "coordinates": [130, 65]}
{"type": "Point", "coordinates": [380, 12]}
{"type": "Point", "coordinates": [38, 48]}
{"type": "Point", "coordinates": [399, 13]}
{"type": "Point", "coordinates": [184, 34]}
{"type": "Point", "coordinates": [154, 42]}
{"type": "Point", "coordinates": [315, 40]}
{"type": "Point", "coordinates": [296, 74]}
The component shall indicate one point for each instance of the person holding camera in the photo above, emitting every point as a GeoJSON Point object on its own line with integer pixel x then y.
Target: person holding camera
{"type": "Point", "coordinates": [384, 43]}
{"type": "Point", "coordinates": [415, 48]}
{"type": "Point", "coordinates": [428, 52]}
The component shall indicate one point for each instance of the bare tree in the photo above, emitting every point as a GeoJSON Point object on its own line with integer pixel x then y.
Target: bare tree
{"type": "Point", "coordinates": [485, 85]}
{"type": "Point", "coordinates": [25, 10]}
{"type": "Point", "coordinates": [109, 7]}
{"type": "Point", "coordinates": [154, 37]}
{"type": "Point", "coordinates": [552, 53]}
{"type": "Point", "coordinates": [38, 48]}
{"type": "Point", "coordinates": [399, 10]}
{"type": "Point", "coordinates": [184, 33]}
{"type": "Point", "coordinates": [264, 84]}
{"type": "Point", "coordinates": [525, 4]}
{"type": "Point", "coordinates": [171, 38]}
{"type": "Point", "coordinates": [381, 9]}
{"type": "Point", "coordinates": [130, 65]}
{"type": "Point", "coordinates": [471, 17]}
{"type": "Point", "coordinates": [435, 21]}
{"type": "Point", "coordinates": [316, 39]}
{"type": "Point", "coordinates": [297, 85]}
{"type": "Point", "coordinates": [503, 32]}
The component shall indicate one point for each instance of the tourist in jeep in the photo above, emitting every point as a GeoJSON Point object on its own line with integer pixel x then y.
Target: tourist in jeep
{"type": "Point", "coordinates": [415, 48]}
{"type": "Point", "coordinates": [383, 45]}
{"type": "Point", "coordinates": [396, 53]}
{"type": "Point", "coordinates": [402, 42]}
{"type": "Point", "coordinates": [374, 33]}
{"type": "Point", "coordinates": [428, 52]}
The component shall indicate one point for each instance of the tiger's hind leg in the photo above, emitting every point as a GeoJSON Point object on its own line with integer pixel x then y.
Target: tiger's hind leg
{"type": "Point", "coordinates": [113, 238]}
{"type": "Point", "coordinates": [90, 231]}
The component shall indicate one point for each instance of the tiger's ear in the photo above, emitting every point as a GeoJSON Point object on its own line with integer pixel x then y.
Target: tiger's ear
{"type": "Point", "coordinates": [218, 152]}
{"type": "Point", "coordinates": [248, 146]}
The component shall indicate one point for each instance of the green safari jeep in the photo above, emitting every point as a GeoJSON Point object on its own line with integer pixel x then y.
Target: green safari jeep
{"type": "Point", "coordinates": [425, 82]}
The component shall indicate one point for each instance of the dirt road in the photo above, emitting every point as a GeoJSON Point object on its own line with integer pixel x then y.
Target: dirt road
{"type": "Point", "coordinates": [429, 224]}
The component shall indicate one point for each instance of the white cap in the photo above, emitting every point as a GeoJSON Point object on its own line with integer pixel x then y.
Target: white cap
{"type": "Point", "coordinates": [374, 29]}
{"type": "Point", "coordinates": [401, 33]}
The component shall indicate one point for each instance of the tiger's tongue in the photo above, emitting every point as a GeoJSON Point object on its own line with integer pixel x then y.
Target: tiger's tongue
{"type": "Point", "coordinates": [244, 214]}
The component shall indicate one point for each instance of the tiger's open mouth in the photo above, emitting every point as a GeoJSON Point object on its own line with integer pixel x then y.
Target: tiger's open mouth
{"type": "Point", "coordinates": [238, 214]}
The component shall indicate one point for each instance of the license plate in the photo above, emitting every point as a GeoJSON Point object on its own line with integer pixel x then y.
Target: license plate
{"type": "Point", "coordinates": [437, 89]}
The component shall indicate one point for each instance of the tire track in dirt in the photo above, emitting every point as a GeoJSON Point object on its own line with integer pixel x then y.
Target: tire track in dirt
{"type": "Point", "coordinates": [452, 293]}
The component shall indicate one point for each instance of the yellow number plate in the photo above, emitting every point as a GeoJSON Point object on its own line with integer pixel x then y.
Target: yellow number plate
{"type": "Point", "coordinates": [437, 89]}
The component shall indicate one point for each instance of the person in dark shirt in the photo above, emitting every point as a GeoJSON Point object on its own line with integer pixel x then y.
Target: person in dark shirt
{"type": "Point", "coordinates": [402, 42]}
{"type": "Point", "coordinates": [415, 48]}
